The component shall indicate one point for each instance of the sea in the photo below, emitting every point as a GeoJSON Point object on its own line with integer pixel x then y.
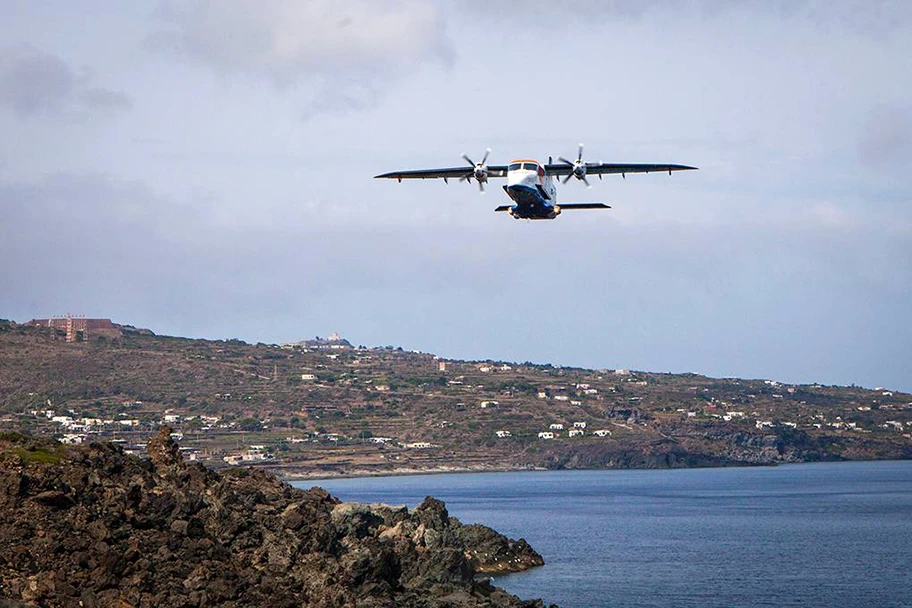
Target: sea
{"type": "Point", "coordinates": [827, 534]}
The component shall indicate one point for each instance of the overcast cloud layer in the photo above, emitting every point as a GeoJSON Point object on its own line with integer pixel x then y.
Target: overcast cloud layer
{"type": "Point", "coordinates": [205, 169]}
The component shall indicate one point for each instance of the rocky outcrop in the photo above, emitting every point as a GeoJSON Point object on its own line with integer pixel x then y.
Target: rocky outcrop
{"type": "Point", "coordinates": [494, 553]}
{"type": "Point", "coordinates": [91, 526]}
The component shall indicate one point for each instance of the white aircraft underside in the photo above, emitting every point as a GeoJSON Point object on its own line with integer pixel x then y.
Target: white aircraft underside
{"type": "Point", "coordinates": [531, 185]}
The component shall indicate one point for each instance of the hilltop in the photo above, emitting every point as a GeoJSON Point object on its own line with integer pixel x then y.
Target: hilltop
{"type": "Point", "coordinates": [323, 407]}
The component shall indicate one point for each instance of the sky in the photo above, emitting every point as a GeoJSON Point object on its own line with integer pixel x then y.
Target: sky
{"type": "Point", "coordinates": [204, 168]}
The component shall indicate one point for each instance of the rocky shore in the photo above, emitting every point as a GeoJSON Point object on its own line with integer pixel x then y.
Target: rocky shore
{"type": "Point", "coordinates": [90, 526]}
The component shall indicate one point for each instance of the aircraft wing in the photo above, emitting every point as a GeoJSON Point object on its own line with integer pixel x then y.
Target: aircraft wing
{"type": "Point", "coordinates": [584, 206]}
{"type": "Point", "coordinates": [609, 168]}
{"type": "Point", "coordinates": [450, 173]}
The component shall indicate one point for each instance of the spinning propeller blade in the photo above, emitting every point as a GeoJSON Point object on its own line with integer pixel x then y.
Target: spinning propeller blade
{"type": "Point", "coordinates": [578, 168]}
{"type": "Point", "coordinates": [479, 170]}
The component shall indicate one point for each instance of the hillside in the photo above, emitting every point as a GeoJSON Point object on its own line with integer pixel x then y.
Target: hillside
{"type": "Point", "coordinates": [325, 408]}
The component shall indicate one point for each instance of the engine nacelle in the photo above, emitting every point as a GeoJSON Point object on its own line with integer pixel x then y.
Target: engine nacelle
{"type": "Point", "coordinates": [557, 211]}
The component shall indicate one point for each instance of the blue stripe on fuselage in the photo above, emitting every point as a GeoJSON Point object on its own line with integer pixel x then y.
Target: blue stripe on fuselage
{"type": "Point", "coordinates": [529, 202]}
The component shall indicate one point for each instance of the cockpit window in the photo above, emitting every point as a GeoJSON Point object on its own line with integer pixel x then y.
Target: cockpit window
{"type": "Point", "coordinates": [515, 167]}
{"type": "Point", "coordinates": [530, 167]}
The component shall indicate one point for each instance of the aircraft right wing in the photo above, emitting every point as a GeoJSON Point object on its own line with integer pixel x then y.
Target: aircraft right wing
{"type": "Point", "coordinates": [448, 173]}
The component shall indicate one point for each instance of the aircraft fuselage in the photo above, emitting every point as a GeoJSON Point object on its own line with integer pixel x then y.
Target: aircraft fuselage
{"type": "Point", "coordinates": [532, 191]}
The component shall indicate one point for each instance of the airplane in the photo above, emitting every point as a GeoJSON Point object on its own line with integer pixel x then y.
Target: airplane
{"type": "Point", "coordinates": [530, 184]}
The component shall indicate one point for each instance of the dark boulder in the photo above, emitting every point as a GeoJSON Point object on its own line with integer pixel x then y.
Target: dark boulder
{"type": "Point", "coordinates": [91, 526]}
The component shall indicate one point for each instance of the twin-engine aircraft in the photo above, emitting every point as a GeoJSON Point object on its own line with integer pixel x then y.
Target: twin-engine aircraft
{"type": "Point", "coordinates": [530, 184]}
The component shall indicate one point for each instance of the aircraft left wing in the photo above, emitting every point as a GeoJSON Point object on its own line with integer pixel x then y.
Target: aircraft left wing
{"type": "Point", "coordinates": [610, 168]}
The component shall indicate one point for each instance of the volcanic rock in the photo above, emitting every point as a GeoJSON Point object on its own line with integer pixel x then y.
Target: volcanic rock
{"type": "Point", "coordinates": [91, 526]}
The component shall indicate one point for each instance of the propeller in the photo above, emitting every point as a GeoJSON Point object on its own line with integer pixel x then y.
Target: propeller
{"type": "Point", "coordinates": [479, 170]}
{"type": "Point", "coordinates": [578, 168]}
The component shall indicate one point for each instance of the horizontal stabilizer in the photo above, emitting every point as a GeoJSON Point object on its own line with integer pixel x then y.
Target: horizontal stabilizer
{"type": "Point", "coordinates": [564, 206]}
{"type": "Point", "coordinates": [504, 208]}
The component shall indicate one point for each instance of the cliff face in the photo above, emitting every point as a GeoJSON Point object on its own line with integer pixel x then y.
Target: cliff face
{"type": "Point", "coordinates": [92, 525]}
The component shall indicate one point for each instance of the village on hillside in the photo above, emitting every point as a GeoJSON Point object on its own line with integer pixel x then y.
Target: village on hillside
{"type": "Point", "coordinates": [326, 407]}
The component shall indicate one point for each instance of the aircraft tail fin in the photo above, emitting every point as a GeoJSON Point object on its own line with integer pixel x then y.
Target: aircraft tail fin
{"type": "Point", "coordinates": [565, 206]}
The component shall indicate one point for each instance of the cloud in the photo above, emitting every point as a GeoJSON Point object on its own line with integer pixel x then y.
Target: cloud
{"type": "Point", "coordinates": [341, 52]}
{"type": "Point", "coordinates": [871, 17]}
{"type": "Point", "coordinates": [34, 82]}
{"type": "Point", "coordinates": [104, 99]}
{"type": "Point", "coordinates": [886, 138]}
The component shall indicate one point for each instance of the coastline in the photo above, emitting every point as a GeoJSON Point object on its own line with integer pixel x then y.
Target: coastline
{"type": "Point", "coordinates": [402, 472]}
{"type": "Point", "coordinates": [292, 478]}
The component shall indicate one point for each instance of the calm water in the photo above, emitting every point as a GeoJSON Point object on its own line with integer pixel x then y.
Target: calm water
{"type": "Point", "coordinates": [836, 534]}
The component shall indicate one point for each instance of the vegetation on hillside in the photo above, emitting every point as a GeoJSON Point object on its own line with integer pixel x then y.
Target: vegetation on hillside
{"type": "Point", "coordinates": [330, 409]}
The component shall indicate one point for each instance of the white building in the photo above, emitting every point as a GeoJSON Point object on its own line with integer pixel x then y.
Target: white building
{"type": "Point", "coordinates": [420, 445]}
{"type": "Point", "coordinates": [602, 433]}
{"type": "Point", "coordinates": [487, 404]}
{"type": "Point", "coordinates": [308, 377]}
{"type": "Point", "coordinates": [561, 398]}
{"type": "Point", "coordinates": [503, 434]}
{"type": "Point", "coordinates": [556, 427]}
{"type": "Point", "coordinates": [256, 453]}
{"type": "Point", "coordinates": [576, 432]}
{"type": "Point", "coordinates": [546, 435]}
{"type": "Point", "coordinates": [579, 425]}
